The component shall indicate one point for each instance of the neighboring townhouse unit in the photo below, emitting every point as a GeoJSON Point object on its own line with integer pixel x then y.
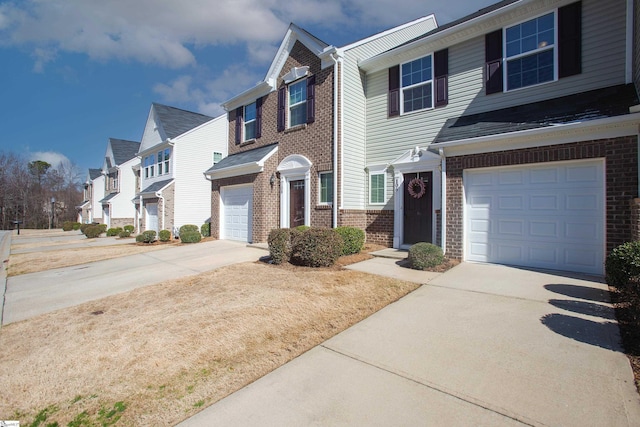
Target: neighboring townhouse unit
{"type": "Point", "coordinates": [85, 210]}
{"type": "Point", "coordinates": [285, 136]}
{"type": "Point", "coordinates": [177, 146]}
{"type": "Point", "coordinates": [97, 191]}
{"type": "Point", "coordinates": [509, 136]}
{"type": "Point", "coordinates": [119, 183]}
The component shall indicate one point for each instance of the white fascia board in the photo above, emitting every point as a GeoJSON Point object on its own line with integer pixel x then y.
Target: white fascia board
{"type": "Point", "coordinates": [248, 96]}
{"type": "Point", "coordinates": [387, 32]}
{"type": "Point", "coordinates": [164, 144]}
{"type": "Point", "coordinates": [243, 169]}
{"type": "Point", "coordinates": [464, 31]}
{"type": "Point", "coordinates": [611, 127]}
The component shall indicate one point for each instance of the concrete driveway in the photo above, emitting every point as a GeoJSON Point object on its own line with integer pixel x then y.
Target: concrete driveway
{"type": "Point", "coordinates": [481, 345]}
{"type": "Point", "coordinates": [32, 294]}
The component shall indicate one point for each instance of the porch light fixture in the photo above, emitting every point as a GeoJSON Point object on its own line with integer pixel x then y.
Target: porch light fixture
{"type": "Point", "coordinates": [272, 180]}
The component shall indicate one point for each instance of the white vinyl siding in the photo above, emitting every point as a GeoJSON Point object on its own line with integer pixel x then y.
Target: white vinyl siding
{"type": "Point", "coordinates": [98, 194]}
{"type": "Point", "coordinates": [603, 65]}
{"type": "Point", "coordinates": [192, 199]}
{"type": "Point", "coordinates": [353, 98]}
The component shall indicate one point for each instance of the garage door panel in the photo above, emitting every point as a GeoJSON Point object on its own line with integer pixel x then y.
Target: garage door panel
{"type": "Point", "coordinates": [236, 213]}
{"type": "Point", "coordinates": [537, 215]}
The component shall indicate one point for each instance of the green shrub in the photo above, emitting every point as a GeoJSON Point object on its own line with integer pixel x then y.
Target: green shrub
{"type": "Point", "coordinates": [279, 241]}
{"type": "Point", "coordinates": [164, 235]}
{"type": "Point", "coordinates": [114, 231]}
{"type": "Point", "coordinates": [623, 264]}
{"type": "Point", "coordinates": [353, 239]}
{"type": "Point", "coordinates": [76, 226]}
{"type": "Point", "coordinates": [205, 229]}
{"type": "Point", "coordinates": [93, 231]}
{"type": "Point", "coordinates": [103, 227]}
{"type": "Point", "coordinates": [148, 236]}
{"type": "Point", "coordinates": [189, 227]}
{"type": "Point", "coordinates": [425, 255]}
{"type": "Point", "coordinates": [67, 226]}
{"type": "Point", "coordinates": [83, 227]}
{"type": "Point", "coordinates": [129, 228]}
{"type": "Point", "coordinates": [190, 236]}
{"type": "Point", "coordinates": [317, 247]}
{"type": "Point", "coordinates": [302, 227]}
{"type": "Point", "coordinates": [124, 233]}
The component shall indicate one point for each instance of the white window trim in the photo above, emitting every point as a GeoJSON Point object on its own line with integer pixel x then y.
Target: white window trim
{"type": "Point", "coordinates": [167, 162]}
{"type": "Point", "coordinates": [290, 106]}
{"type": "Point", "coordinates": [402, 88]}
{"type": "Point", "coordinates": [330, 189]}
{"type": "Point", "coordinates": [383, 172]}
{"type": "Point", "coordinates": [506, 59]}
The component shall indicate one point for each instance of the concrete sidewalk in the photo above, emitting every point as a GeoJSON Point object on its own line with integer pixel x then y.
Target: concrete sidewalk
{"type": "Point", "coordinates": [32, 294]}
{"type": "Point", "coordinates": [481, 345]}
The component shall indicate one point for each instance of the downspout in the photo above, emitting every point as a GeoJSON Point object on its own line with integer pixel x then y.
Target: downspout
{"type": "Point", "coordinates": [140, 215]}
{"type": "Point", "coordinates": [336, 59]}
{"type": "Point", "coordinates": [443, 202]}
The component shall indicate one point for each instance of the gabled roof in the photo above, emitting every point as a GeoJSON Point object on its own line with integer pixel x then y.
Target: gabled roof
{"type": "Point", "coordinates": [243, 163]}
{"type": "Point", "coordinates": [293, 35]}
{"type": "Point", "coordinates": [108, 197]}
{"type": "Point", "coordinates": [123, 150]}
{"type": "Point", "coordinates": [155, 187]}
{"type": "Point", "coordinates": [176, 121]}
{"type": "Point", "coordinates": [595, 104]}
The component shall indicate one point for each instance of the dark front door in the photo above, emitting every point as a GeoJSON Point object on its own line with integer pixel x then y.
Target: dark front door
{"type": "Point", "coordinates": [418, 207]}
{"type": "Point", "coordinates": [296, 203]}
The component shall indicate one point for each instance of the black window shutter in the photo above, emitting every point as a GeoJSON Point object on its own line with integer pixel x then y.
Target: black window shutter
{"type": "Point", "coordinates": [239, 112]}
{"type": "Point", "coordinates": [258, 118]}
{"type": "Point", "coordinates": [394, 91]}
{"type": "Point", "coordinates": [570, 39]}
{"type": "Point", "coordinates": [282, 95]}
{"type": "Point", "coordinates": [311, 99]}
{"type": "Point", "coordinates": [493, 60]}
{"type": "Point", "coordinates": [441, 68]}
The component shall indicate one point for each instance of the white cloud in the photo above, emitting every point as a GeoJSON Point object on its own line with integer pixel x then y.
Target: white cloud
{"type": "Point", "coordinates": [51, 157]}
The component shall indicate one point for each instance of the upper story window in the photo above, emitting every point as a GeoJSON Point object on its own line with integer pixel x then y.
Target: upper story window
{"type": "Point", "coordinates": [417, 85]}
{"type": "Point", "coordinates": [298, 103]}
{"type": "Point", "coordinates": [249, 121]}
{"type": "Point", "coordinates": [217, 157]}
{"type": "Point", "coordinates": [543, 49]}
{"type": "Point", "coordinates": [530, 52]}
{"type": "Point", "coordinates": [167, 155]}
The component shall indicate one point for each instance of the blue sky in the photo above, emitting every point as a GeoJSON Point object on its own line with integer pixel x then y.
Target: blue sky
{"type": "Point", "coordinates": [74, 73]}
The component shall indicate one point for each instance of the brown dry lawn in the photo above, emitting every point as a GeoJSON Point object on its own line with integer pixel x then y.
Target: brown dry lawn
{"type": "Point", "coordinates": [157, 355]}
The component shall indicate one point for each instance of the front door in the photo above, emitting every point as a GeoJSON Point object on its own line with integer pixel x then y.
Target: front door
{"type": "Point", "coordinates": [418, 207]}
{"type": "Point", "coordinates": [296, 203]}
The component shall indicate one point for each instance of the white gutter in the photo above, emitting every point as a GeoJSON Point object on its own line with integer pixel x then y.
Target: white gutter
{"type": "Point", "coordinates": [443, 203]}
{"type": "Point", "coordinates": [140, 216]}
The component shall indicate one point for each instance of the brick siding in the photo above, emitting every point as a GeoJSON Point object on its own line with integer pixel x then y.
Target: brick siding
{"type": "Point", "coordinates": [377, 224]}
{"type": "Point", "coordinates": [313, 140]}
{"type": "Point", "coordinates": [621, 165]}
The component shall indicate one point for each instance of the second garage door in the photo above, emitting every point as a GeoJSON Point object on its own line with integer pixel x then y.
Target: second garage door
{"type": "Point", "coordinates": [236, 213]}
{"type": "Point", "coordinates": [543, 216]}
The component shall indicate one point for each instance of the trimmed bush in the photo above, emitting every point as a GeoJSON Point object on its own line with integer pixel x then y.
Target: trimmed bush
{"type": "Point", "coordinates": [164, 235]}
{"type": "Point", "coordinates": [83, 227]}
{"type": "Point", "coordinates": [279, 241]}
{"type": "Point", "coordinates": [353, 239]}
{"type": "Point", "coordinates": [148, 236]}
{"type": "Point", "coordinates": [189, 227]}
{"type": "Point", "coordinates": [623, 264]}
{"type": "Point", "coordinates": [190, 236]}
{"type": "Point", "coordinates": [129, 228]}
{"type": "Point", "coordinates": [93, 231]}
{"type": "Point", "coordinates": [425, 255]}
{"type": "Point", "coordinates": [123, 234]}
{"type": "Point", "coordinates": [114, 231]}
{"type": "Point", "coordinates": [302, 227]}
{"type": "Point", "coordinates": [103, 227]}
{"type": "Point", "coordinates": [205, 229]}
{"type": "Point", "coordinates": [67, 226]}
{"type": "Point", "coordinates": [317, 247]}
{"type": "Point", "coordinates": [76, 226]}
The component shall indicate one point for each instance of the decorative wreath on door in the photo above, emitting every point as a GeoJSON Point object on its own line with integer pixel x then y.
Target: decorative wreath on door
{"type": "Point", "coordinates": [416, 188]}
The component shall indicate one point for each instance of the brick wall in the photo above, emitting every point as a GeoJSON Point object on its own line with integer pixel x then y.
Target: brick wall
{"type": "Point", "coordinates": [167, 209]}
{"type": "Point", "coordinates": [121, 222]}
{"type": "Point", "coordinates": [313, 140]}
{"type": "Point", "coordinates": [377, 224]}
{"type": "Point", "coordinates": [635, 219]}
{"type": "Point", "coordinates": [620, 156]}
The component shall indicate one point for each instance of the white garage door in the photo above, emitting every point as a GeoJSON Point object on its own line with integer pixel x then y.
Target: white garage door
{"type": "Point", "coordinates": [236, 213]}
{"type": "Point", "coordinates": [543, 216]}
